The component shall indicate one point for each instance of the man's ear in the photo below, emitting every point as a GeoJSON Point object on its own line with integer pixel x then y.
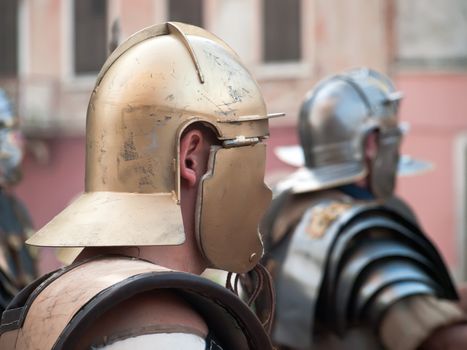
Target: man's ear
{"type": "Point", "coordinates": [192, 157]}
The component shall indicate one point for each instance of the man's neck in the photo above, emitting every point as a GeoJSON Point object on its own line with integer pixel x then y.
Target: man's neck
{"type": "Point", "coordinates": [357, 192]}
{"type": "Point", "coordinates": [184, 257]}
{"type": "Point", "coordinates": [181, 258]}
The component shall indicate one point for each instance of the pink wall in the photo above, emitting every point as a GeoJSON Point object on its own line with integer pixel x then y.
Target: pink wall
{"type": "Point", "coordinates": [436, 107]}
{"type": "Point", "coordinates": [47, 188]}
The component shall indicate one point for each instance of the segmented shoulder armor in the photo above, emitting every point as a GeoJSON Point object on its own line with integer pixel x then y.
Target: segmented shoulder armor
{"type": "Point", "coordinates": [346, 263]}
{"type": "Point", "coordinates": [377, 258]}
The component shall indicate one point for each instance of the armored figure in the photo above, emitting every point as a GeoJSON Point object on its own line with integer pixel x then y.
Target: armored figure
{"type": "Point", "coordinates": [353, 268]}
{"type": "Point", "coordinates": [17, 266]}
{"type": "Point", "coordinates": [174, 148]}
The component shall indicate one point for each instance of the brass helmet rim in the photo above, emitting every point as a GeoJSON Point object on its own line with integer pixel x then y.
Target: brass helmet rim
{"type": "Point", "coordinates": [100, 219]}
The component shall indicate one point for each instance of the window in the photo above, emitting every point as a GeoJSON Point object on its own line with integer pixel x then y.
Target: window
{"type": "Point", "coordinates": [8, 38]}
{"type": "Point", "coordinates": [90, 35]}
{"type": "Point", "coordinates": [281, 27]}
{"type": "Point", "coordinates": [187, 11]}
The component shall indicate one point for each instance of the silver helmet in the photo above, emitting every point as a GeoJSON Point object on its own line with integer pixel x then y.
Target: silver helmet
{"type": "Point", "coordinates": [335, 119]}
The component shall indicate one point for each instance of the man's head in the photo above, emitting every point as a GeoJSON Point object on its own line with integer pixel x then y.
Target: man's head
{"type": "Point", "coordinates": [349, 132]}
{"type": "Point", "coordinates": [11, 144]}
{"type": "Point", "coordinates": [174, 114]}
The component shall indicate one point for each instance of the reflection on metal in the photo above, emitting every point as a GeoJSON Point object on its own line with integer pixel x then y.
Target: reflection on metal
{"type": "Point", "coordinates": [395, 96]}
{"type": "Point", "coordinates": [246, 118]}
{"type": "Point", "coordinates": [241, 141]}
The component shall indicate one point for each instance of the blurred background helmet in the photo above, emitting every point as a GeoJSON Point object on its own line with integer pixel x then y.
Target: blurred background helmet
{"type": "Point", "coordinates": [335, 119]}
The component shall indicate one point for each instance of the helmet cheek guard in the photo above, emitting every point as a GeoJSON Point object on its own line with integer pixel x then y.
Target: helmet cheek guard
{"type": "Point", "coordinates": [383, 169]}
{"type": "Point", "coordinates": [228, 212]}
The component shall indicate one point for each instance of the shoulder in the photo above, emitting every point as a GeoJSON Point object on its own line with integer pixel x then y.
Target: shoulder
{"type": "Point", "coordinates": [98, 298]}
{"type": "Point", "coordinates": [153, 312]}
{"type": "Point", "coordinates": [402, 207]}
{"type": "Point", "coordinates": [116, 297]}
{"type": "Point", "coordinates": [288, 210]}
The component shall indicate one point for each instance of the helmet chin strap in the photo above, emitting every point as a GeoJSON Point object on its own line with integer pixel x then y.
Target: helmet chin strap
{"type": "Point", "coordinates": [258, 287]}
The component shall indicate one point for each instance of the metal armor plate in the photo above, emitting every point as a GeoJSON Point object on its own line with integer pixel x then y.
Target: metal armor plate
{"type": "Point", "coordinates": [346, 264]}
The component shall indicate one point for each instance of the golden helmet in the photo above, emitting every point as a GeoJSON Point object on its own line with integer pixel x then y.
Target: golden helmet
{"type": "Point", "coordinates": [151, 88]}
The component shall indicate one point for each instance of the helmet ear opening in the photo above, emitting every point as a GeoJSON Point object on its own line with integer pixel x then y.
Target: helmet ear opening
{"type": "Point", "coordinates": [209, 130]}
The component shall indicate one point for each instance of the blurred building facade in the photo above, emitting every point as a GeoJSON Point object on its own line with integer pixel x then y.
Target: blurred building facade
{"type": "Point", "coordinates": [51, 51]}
